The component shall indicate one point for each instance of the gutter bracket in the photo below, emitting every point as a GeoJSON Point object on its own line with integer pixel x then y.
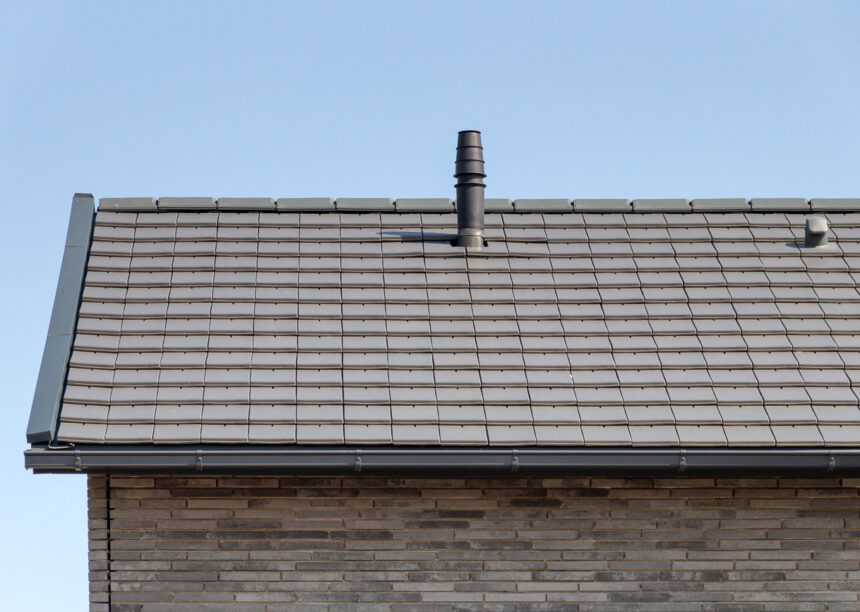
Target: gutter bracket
{"type": "Point", "coordinates": [682, 462]}
{"type": "Point", "coordinates": [78, 466]}
{"type": "Point", "coordinates": [358, 461]}
{"type": "Point", "coordinates": [515, 461]}
{"type": "Point", "coordinates": [831, 462]}
{"type": "Point", "coordinates": [198, 465]}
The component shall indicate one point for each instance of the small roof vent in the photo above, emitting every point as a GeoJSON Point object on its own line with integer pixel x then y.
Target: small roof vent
{"type": "Point", "coordinates": [816, 232]}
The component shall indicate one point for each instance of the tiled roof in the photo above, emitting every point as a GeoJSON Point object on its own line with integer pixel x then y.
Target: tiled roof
{"type": "Point", "coordinates": [249, 324]}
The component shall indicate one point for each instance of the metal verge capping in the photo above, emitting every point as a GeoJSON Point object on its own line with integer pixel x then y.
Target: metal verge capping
{"type": "Point", "coordinates": [444, 461]}
{"type": "Point", "coordinates": [61, 330]}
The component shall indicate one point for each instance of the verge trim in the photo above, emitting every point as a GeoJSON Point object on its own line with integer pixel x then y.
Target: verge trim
{"type": "Point", "coordinates": [45, 409]}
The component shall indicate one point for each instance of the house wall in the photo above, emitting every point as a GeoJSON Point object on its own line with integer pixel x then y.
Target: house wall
{"type": "Point", "coordinates": [270, 543]}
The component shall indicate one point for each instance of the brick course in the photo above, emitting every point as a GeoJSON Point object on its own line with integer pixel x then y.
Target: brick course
{"type": "Point", "coordinates": [267, 544]}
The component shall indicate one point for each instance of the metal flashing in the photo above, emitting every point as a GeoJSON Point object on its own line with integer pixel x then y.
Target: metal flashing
{"type": "Point", "coordinates": [48, 395]}
{"type": "Point", "coordinates": [417, 460]}
{"type": "Point", "coordinates": [128, 204]}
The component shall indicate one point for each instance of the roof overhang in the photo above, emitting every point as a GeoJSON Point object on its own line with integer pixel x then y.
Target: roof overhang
{"type": "Point", "coordinates": [427, 461]}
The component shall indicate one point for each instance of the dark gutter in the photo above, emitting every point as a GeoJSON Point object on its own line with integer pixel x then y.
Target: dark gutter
{"type": "Point", "coordinates": [433, 461]}
{"type": "Point", "coordinates": [45, 410]}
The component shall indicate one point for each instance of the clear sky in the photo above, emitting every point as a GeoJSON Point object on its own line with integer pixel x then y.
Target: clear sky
{"type": "Point", "coordinates": [575, 99]}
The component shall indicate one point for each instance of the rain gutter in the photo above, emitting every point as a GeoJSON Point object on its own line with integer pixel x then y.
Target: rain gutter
{"type": "Point", "coordinates": [436, 461]}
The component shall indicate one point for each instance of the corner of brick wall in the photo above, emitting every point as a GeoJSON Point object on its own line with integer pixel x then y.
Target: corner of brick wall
{"type": "Point", "coordinates": [97, 516]}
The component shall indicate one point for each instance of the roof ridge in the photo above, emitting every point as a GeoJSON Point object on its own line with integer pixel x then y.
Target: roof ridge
{"type": "Point", "coordinates": [493, 205]}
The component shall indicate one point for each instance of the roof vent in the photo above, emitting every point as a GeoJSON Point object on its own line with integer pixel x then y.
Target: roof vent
{"type": "Point", "coordinates": [469, 172]}
{"type": "Point", "coordinates": [816, 232]}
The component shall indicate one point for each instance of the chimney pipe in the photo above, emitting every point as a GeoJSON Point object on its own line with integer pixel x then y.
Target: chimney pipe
{"type": "Point", "coordinates": [469, 172]}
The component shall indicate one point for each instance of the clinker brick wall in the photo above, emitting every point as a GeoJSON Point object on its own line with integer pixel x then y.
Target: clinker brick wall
{"type": "Point", "coordinates": [261, 544]}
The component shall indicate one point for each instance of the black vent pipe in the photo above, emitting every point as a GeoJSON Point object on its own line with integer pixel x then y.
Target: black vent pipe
{"type": "Point", "coordinates": [469, 172]}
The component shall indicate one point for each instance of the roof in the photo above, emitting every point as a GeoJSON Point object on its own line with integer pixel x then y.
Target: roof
{"type": "Point", "coordinates": [355, 323]}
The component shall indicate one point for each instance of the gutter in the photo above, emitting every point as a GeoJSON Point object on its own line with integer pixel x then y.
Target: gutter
{"type": "Point", "coordinates": [445, 461]}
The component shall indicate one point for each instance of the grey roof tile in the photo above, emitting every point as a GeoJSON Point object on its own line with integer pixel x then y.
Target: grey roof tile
{"type": "Point", "coordinates": [419, 434]}
{"type": "Point", "coordinates": [797, 435]}
{"type": "Point", "coordinates": [601, 205]}
{"type": "Point", "coordinates": [558, 435]}
{"type": "Point", "coordinates": [720, 205]}
{"type": "Point", "coordinates": [375, 433]}
{"type": "Point", "coordinates": [275, 414]}
{"type": "Point", "coordinates": [649, 415]}
{"type": "Point", "coordinates": [839, 435]}
{"type": "Point", "coordinates": [463, 435]}
{"type": "Point", "coordinates": [365, 204]}
{"type": "Point", "coordinates": [696, 414]}
{"type": "Point", "coordinates": [271, 433]}
{"type": "Point", "coordinates": [744, 415]}
{"type": "Point", "coordinates": [606, 435]}
{"type": "Point", "coordinates": [699, 395]}
{"type": "Point", "coordinates": [498, 205]}
{"type": "Point", "coordinates": [305, 204]}
{"type": "Point", "coordinates": [653, 435]}
{"type": "Point", "coordinates": [424, 205]}
{"type": "Point", "coordinates": [701, 435]}
{"type": "Point", "coordinates": [415, 413]}
{"type": "Point", "coordinates": [665, 205]}
{"type": "Point", "coordinates": [779, 204]}
{"type": "Point", "coordinates": [319, 434]}
{"type": "Point", "coordinates": [749, 435]}
{"type": "Point", "coordinates": [606, 414]}
{"type": "Point", "coordinates": [506, 435]}
{"type": "Point", "coordinates": [70, 431]}
{"type": "Point", "coordinates": [186, 203]}
{"type": "Point", "coordinates": [367, 413]}
{"type": "Point", "coordinates": [551, 206]}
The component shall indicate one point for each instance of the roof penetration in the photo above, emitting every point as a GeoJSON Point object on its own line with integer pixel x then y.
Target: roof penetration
{"type": "Point", "coordinates": [356, 322]}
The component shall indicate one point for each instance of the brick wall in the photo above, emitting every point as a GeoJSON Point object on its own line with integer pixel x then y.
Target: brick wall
{"type": "Point", "coordinates": [269, 544]}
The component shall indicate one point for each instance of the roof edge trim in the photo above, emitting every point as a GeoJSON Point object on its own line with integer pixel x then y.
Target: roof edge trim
{"type": "Point", "coordinates": [526, 461]}
{"type": "Point", "coordinates": [45, 410]}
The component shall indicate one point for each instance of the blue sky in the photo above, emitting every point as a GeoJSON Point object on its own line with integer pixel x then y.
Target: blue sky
{"type": "Point", "coordinates": [575, 99]}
